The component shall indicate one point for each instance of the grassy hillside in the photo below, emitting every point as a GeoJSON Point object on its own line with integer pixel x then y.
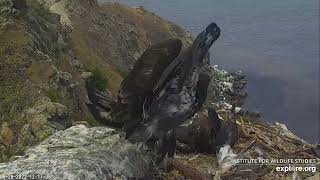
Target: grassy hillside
{"type": "Point", "coordinates": [45, 47]}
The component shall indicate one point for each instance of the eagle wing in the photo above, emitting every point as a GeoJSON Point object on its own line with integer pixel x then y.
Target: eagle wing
{"type": "Point", "coordinates": [140, 82]}
{"type": "Point", "coordinates": [202, 90]}
{"type": "Point", "coordinates": [149, 68]}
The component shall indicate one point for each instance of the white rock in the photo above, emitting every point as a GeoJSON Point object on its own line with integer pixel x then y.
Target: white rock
{"type": "Point", "coordinates": [238, 109]}
{"type": "Point", "coordinates": [228, 85]}
{"type": "Point", "coordinates": [81, 153]}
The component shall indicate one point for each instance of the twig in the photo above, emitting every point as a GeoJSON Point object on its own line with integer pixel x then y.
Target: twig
{"type": "Point", "coordinates": [188, 172]}
{"type": "Point", "coordinates": [247, 148]}
{"type": "Point", "coordinates": [272, 133]}
{"type": "Point", "coordinates": [194, 157]}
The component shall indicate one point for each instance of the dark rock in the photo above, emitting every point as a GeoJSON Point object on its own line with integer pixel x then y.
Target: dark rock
{"type": "Point", "coordinates": [238, 75]}
{"type": "Point", "coordinates": [47, 117]}
{"type": "Point", "coordinates": [253, 114]}
{"type": "Point", "coordinates": [19, 4]}
{"type": "Point", "coordinates": [61, 118]}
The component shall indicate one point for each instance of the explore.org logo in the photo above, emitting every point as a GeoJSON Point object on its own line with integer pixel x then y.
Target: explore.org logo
{"type": "Point", "coordinates": [282, 165]}
{"type": "Point", "coordinates": [290, 168]}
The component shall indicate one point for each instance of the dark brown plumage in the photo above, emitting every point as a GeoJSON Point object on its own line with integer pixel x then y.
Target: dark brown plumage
{"type": "Point", "coordinates": [140, 82]}
{"type": "Point", "coordinates": [164, 89]}
{"type": "Point", "coordinates": [175, 97]}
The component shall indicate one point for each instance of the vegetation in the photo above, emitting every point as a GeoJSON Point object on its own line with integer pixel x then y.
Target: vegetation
{"type": "Point", "coordinates": [123, 72]}
{"type": "Point", "coordinates": [39, 9]}
{"type": "Point", "coordinates": [54, 95]}
{"type": "Point", "coordinates": [91, 60]}
{"type": "Point", "coordinates": [177, 29]}
{"type": "Point", "coordinates": [88, 118]}
{"type": "Point", "coordinates": [98, 80]}
{"type": "Point", "coordinates": [34, 47]}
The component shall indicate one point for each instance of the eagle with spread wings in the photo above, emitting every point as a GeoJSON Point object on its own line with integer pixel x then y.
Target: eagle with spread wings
{"type": "Point", "coordinates": [164, 89]}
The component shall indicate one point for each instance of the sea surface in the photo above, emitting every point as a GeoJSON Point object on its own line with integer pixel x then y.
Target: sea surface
{"type": "Point", "coordinates": [275, 43]}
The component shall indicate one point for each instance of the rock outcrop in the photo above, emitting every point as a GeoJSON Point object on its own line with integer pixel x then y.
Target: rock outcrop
{"type": "Point", "coordinates": [46, 117]}
{"type": "Point", "coordinates": [81, 153]}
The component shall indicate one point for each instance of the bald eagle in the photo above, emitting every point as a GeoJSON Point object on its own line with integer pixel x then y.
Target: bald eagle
{"type": "Point", "coordinates": [175, 96]}
{"type": "Point", "coordinates": [164, 89]}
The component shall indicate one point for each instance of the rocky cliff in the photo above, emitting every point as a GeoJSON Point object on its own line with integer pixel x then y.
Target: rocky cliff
{"type": "Point", "coordinates": [49, 48]}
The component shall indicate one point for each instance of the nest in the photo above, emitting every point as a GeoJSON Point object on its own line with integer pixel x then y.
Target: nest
{"type": "Point", "coordinates": [257, 140]}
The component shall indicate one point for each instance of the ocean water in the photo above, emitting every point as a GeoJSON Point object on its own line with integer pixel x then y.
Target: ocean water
{"type": "Point", "coordinates": [275, 43]}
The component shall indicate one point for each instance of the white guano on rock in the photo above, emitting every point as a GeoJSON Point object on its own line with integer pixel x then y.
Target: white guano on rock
{"type": "Point", "coordinates": [81, 153]}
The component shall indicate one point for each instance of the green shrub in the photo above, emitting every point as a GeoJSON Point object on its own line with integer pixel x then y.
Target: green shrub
{"type": "Point", "coordinates": [54, 95]}
{"type": "Point", "coordinates": [98, 80]}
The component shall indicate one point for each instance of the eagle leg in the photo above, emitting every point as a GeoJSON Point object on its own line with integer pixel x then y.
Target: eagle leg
{"type": "Point", "coordinates": [166, 145]}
